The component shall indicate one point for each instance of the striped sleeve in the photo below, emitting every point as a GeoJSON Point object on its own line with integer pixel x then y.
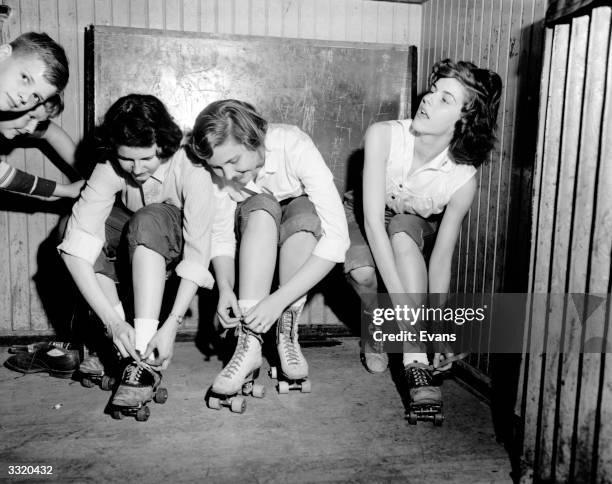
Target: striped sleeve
{"type": "Point", "coordinates": [16, 180]}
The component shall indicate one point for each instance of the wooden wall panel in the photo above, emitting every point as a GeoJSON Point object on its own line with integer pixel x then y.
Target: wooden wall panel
{"type": "Point", "coordinates": [21, 311]}
{"type": "Point", "coordinates": [504, 36]}
{"type": "Point", "coordinates": [566, 382]}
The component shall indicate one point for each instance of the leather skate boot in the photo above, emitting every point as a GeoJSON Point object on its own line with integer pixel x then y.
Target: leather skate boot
{"type": "Point", "coordinates": [138, 385]}
{"type": "Point", "coordinates": [293, 364]}
{"type": "Point", "coordinates": [245, 361]}
{"type": "Point", "coordinates": [419, 378]}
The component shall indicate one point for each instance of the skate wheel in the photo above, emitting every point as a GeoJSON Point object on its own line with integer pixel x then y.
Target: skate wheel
{"type": "Point", "coordinates": [247, 388]}
{"type": "Point", "coordinates": [117, 414]}
{"type": "Point", "coordinates": [238, 405]}
{"type": "Point", "coordinates": [87, 383]}
{"type": "Point", "coordinates": [107, 383]}
{"type": "Point", "coordinates": [214, 403]}
{"type": "Point", "coordinates": [161, 395]}
{"type": "Point", "coordinates": [142, 415]}
{"type": "Point", "coordinates": [412, 418]}
{"type": "Point", "coordinates": [273, 373]}
{"type": "Point", "coordinates": [283, 387]}
{"type": "Point", "coordinates": [438, 419]}
{"type": "Point", "coordinates": [306, 386]}
{"type": "Point", "coordinates": [258, 391]}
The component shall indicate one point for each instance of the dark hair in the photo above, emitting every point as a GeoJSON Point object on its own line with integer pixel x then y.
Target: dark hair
{"type": "Point", "coordinates": [137, 120]}
{"type": "Point", "coordinates": [222, 120]}
{"type": "Point", "coordinates": [47, 50]}
{"type": "Point", "coordinates": [474, 135]}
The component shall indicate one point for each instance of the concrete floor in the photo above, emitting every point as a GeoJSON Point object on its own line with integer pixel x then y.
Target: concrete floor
{"type": "Point", "coordinates": [351, 428]}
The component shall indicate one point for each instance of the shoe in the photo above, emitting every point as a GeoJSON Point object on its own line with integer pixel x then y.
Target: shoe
{"type": "Point", "coordinates": [419, 378]}
{"type": "Point", "coordinates": [293, 364]}
{"type": "Point", "coordinates": [138, 385]}
{"type": "Point", "coordinates": [373, 354]}
{"type": "Point", "coordinates": [245, 361]}
{"type": "Point", "coordinates": [57, 362]}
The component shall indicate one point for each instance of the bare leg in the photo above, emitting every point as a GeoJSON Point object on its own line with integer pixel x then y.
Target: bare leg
{"type": "Point", "coordinates": [257, 256]}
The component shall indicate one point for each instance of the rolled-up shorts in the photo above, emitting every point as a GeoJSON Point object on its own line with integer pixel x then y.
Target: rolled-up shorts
{"type": "Point", "coordinates": [157, 226]}
{"type": "Point", "coordinates": [422, 230]}
{"type": "Point", "coordinates": [291, 216]}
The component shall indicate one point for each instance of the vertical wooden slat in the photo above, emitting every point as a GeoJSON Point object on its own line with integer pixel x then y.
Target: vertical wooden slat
{"type": "Point", "coordinates": [588, 377]}
{"type": "Point", "coordinates": [209, 21]}
{"type": "Point", "coordinates": [307, 20]}
{"type": "Point", "coordinates": [569, 157]}
{"type": "Point", "coordinates": [290, 22]}
{"type": "Point", "coordinates": [384, 33]}
{"type": "Point", "coordinates": [173, 14]}
{"type": "Point", "coordinates": [138, 13]}
{"type": "Point", "coordinates": [337, 20]}
{"type": "Point", "coordinates": [546, 173]}
{"type": "Point", "coordinates": [275, 18]}
{"type": "Point", "coordinates": [354, 15]}
{"type": "Point", "coordinates": [259, 19]}
{"type": "Point", "coordinates": [155, 14]}
{"type": "Point", "coordinates": [322, 9]}
{"type": "Point", "coordinates": [191, 16]}
{"type": "Point", "coordinates": [369, 22]}
{"type": "Point", "coordinates": [226, 17]}
{"type": "Point", "coordinates": [120, 13]}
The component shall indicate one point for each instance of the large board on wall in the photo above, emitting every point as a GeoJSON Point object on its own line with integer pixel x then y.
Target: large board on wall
{"type": "Point", "coordinates": [332, 90]}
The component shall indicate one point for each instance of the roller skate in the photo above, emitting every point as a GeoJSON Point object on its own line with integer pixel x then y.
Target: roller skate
{"type": "Point", "coordinates": [293, 365]}
{"type": "Point", "coordinates": [139, 385]}
{"type": "Point", "coordinates": [425, 398]}
{"type": "Point", "coordinates": [91, 372]}
{"type": "Point", "coordinates": [238, 376]}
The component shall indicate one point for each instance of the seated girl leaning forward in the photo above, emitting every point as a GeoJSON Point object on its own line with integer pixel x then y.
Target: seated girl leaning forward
{"type": "Point", "coordinates": [418, 184]}
{"type": "Point", "coordinates": [287, 203]}
{"type": "Point", "coordinates": [164, 214]}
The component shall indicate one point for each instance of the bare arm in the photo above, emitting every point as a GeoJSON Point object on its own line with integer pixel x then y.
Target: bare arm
{"type": "Point", "coordinates": [441, 257]}
{"type": "Point", "coordinates": [377, 142]}
{"type": "Point", "coordinates": [61, 142]}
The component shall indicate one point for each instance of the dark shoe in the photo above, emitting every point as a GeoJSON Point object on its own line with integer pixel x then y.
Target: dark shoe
{"type": "Point", "coordinates": [33, 347]}
{"type": "Point", "coordinates": [57, 362]}
{"type": "Point", "coordinates": [138, 385]}
{"type": "Point", "coordinates": [420, 384]}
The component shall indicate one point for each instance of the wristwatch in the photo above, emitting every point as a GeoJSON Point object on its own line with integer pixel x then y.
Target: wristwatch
{"type": "Point", "coordinates": [179, 319]}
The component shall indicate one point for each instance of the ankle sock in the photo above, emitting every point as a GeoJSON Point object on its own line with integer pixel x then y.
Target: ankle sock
{"type": "Point", "coordinates": [415, 358]}
{"type": "Point", "coordinates": [144, 330]}
{"type": "Point", "coordinates": [246, 304]}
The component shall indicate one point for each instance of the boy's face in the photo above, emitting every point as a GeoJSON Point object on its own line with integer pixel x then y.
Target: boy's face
{"type": "Point", "coordinates": [22, 81]}
{"type": "Point", "coordinates": [24, 124]}
{"type": "Point", "coordinates": [141, 163]}
{"type": "Point", "coordinates": [440, 108]}
{"type": "Point", "coordinates": [234, 162]}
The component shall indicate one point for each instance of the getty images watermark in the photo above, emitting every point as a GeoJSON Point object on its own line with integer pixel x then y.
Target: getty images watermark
{"type": "Point", "coordinates": [491, 323]}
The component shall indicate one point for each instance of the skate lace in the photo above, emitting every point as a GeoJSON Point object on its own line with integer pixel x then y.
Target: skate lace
{"type": "Point", "coordinates": [241, 350]}
{"type": "Point", "coordinates": [289, 336]}
{"type": "Point", "coordinates": [134, 372]}
{"type": "Point", "coordinates": [420, 377]}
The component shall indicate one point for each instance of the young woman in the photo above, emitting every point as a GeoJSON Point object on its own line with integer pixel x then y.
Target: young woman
{"type": "Point", "coordinates": [418, 185]}
{"type": "Point", "coordinates": [289, 213]}
{"type": "Point", "coordinates": [164, 219]}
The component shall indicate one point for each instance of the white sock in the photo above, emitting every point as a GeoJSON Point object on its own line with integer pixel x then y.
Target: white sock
{"type": "Point", "coordinates": [144, 330]}
{"type": "Point", "coordinates": [119, 309]}
{"type": "Point", "coordinates": [246, 304]}
{"type": "Point", "coordinates": [415, 358]}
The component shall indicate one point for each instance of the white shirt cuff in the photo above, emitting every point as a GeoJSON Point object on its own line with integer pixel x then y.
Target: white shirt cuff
{"type": "Point", "coordinates": [225, 249]}
{"type": "Point", "coordinates": [331, 251]}
{"type": "Point", "coordinates": [82, 245]}
{"type": "Point", "coordinates": [196, 273]}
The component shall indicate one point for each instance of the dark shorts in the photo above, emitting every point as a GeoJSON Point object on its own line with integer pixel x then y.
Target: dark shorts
{"type": "Point", "coordinates": [422, 230]}
{"type": "Point", "coordinates": [157, 226]}
{"type": "Point", "coordinates": [291, 216]}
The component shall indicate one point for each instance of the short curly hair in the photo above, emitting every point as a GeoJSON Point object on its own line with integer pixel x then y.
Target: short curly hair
{"type": "Point", "coordinates": [223, 120]}
{"type": "Point", "coordinates": [137, 120]}
{"type": "Point", "coordinates": [474, 136]}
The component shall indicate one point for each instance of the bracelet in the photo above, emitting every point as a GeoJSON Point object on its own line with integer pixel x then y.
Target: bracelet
{"type": "Point", "coordinates": [179, 319]}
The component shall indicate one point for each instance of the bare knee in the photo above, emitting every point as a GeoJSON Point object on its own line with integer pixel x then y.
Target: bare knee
{"type": "Point", "coordinates": [364, 277]}
{"type": "Point", "coordinates": [404, 246]}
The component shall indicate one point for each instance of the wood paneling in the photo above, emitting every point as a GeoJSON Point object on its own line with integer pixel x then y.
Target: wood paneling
{"type": "Point", "coordinates": [21, 310]}
{"type": "Point", "coordinates": [504, 36]}
{"type": "Point", "coordinates": [567, 404]}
